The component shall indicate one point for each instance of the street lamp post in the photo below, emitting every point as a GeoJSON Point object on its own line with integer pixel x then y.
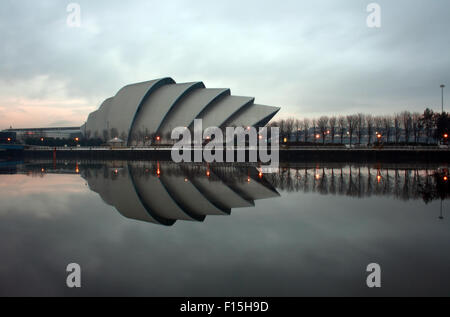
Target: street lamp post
{"type": "Point", "coordinates": [442, 88]}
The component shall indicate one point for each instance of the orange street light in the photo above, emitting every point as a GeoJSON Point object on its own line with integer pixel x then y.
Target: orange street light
{"type": "Point", "coordinates": [9, 139]}
{"type": "Point", "coordinates": [158, 138]}
{"type": "Point", "coordinates": [445, 135]}
{"type": "Point", "coordinates": [42, 139]}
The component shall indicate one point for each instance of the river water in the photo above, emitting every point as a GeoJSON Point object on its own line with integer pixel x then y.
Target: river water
{"type": "Point", "coordinates": [162, 229]}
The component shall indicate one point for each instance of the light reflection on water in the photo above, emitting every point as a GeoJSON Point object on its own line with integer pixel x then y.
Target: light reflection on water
{"type": "Point", "coordinates": [306, 229]}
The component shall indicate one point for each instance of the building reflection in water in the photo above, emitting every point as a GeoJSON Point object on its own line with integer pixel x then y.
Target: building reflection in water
{"type": "Point", "coordinates": [164, 192]}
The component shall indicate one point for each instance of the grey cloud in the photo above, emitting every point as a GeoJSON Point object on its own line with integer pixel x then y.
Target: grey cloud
{"type": "Point", "coordinates": [307, 57]}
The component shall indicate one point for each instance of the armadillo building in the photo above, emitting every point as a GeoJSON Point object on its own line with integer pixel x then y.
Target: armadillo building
{"type": "Point", "coordinates": [150, 110]}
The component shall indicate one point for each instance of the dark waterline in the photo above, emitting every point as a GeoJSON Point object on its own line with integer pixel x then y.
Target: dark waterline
{"type": "Point", "coordinates": [148, 228]}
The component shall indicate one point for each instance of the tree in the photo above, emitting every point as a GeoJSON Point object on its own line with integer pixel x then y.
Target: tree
{"type": "Point", "coordinates": [427, 122]}
{"type": "Point", "coordinates": [105, 135]}
{"type": "Point", "coordinates": [153, 136]}
{"type": "Point", "coordinates": [134, 137]}
{"type": "Point", "coordinates": [140, 136]}
{"type": "Point", "coordinates": [442, 125]}
{"type": "Point", "coordinates": [322, 124]}
{"type": "Point", "coordinates": [332, 123]}
{"type": "Point", "coordinates": [378, 123]}
{"type": "Point", "coordinates": [168, 135]}
{"type": "Point", "coordinates": [147, 136]}
{"type": "Point", "coordinates": [370, 123]}
{"type": "Point", "coordinates": [352, 121]}
{"type": "Point", "coordinates": [387, 125]}
{"type": "Point", "coordinates": [314, 122]}
{"type": "Point", "coordinates": [416, 126]}
{"type": "Point", "coordinates": [397, 127]}
{"type": "Point", "coordinates": [114, 133]}
{"type": "Point", "coordinates": [289, 125]}
{"type": "Point", "coordinates": [306, 126]}
{"type": "Point", "coordinates": [282, 126]}
{"type": "Point", "coordinates": [341, 125]}
{"type": "Point", "coordinates": [406, 122]}
{"type": "Point", "coordinates": [123, 136]}
{"type": "Point", "coordinates": [360, 123]}
{"type": "Point", "coordinates": [298, 127]}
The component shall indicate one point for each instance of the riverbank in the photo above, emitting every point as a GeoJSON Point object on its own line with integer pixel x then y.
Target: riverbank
{"type": "Point", "coordinates": [297, 154]}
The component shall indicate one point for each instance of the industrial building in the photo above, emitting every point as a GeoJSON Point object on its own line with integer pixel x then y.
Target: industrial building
{"type": "Point", "coordinates": [56, 132]}
{"type": "Point", "coordinates": [8, 137]}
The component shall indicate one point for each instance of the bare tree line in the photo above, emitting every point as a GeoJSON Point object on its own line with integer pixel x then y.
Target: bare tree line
{"type": "Point", "coordinates": [405, 127]}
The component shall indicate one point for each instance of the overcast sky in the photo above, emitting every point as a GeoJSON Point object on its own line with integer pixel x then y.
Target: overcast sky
{"type": "Point", "coordinates": [308, 57]}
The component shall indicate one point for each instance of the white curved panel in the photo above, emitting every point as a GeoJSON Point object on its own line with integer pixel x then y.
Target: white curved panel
{"type": "Point", "coordinates": [221, 110]}
{"type": "Point", "coordinates": [190, 195]}
{"type": "Point", "coordinates": [99, 184]}
{"type": "Point", "coordinates": [103, 115]}
{"type": "Point", "coordinates": [251, 115]}
{"type": "Point", "coordinates": [155, 108]}
{"type": "Point", "coordinates": [221, 193]}
{"type": "Point", "coordinates": [97, 122]}
{"type": "Point", "coordinates": [158, 199]}
{"type": "Point", "coordinates": [91, 124]}
{"type": "Point", "coordinates": [120, 193]}
{"type": "Point", "coordinates": [83, 129]}
{"type": "Point", "coordinates": [127, 102]}
{"type": "Point", "coordinates": [190, 107]}
{"type": "Point", "coordinates": [255, 190]}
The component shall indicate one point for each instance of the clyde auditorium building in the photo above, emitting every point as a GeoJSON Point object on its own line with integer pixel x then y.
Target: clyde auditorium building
{"type": "Point", "coordinates": [150, 110]}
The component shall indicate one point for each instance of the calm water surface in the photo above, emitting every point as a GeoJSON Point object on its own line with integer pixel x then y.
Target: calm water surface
{"type": "Point", "coordinates": [159, 229]}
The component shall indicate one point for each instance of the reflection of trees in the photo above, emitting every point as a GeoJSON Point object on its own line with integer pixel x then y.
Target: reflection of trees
{"type": "Point", "coordinates": [323, 183]}
{"type": "Point", "coordinates": [403, 183]}
{"type": "Point", "coordinates": [436, 187]}
{"type": "Point", "coordinates": [400, 183]}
